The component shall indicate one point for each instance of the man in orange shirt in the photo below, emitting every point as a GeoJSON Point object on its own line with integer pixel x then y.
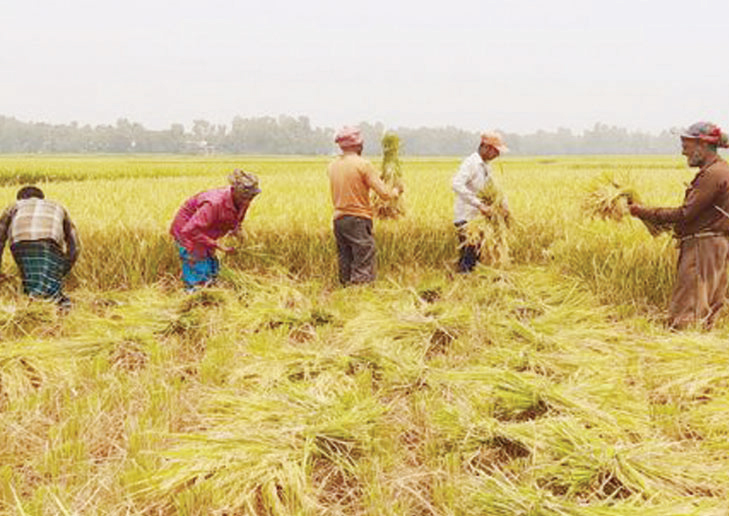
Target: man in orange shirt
{"type": "Point", "coordinates": [351, 178]}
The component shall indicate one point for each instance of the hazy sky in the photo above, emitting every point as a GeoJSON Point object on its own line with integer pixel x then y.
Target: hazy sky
{"type": "Point", "coordinates": [514, 65]}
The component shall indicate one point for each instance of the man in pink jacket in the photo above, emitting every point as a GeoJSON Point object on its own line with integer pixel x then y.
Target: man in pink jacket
{"type": "Point", "coordinates": [205, 218]}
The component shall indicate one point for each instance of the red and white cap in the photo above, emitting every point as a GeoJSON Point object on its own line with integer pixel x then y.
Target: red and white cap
{"type": "Point", "coordinates": [348, 137]}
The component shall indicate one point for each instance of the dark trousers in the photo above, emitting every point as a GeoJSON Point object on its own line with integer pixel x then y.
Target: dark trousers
{"type": "Point", "coordinates": [356, 249]}
{"type": "Point", "coordinates": [468, 253]}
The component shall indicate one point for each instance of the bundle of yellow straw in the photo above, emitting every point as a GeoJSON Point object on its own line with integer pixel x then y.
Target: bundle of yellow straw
{"type": "Point", "coordinates": [488, 234]}
{"type": "Point", "coordinates": [607, 200]}
{"type": "Point", "coordinates": [392, 177]}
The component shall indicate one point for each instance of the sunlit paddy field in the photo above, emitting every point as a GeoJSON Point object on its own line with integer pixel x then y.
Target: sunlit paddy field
{"type": "Point", "coordinates": [548, 387]}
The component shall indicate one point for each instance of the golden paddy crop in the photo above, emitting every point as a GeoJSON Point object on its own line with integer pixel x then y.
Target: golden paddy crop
{"type": "Point", "coordinates": [550, 387]}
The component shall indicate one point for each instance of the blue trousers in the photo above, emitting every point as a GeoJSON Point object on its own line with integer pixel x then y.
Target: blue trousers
{"type": "Point", "coordinates": [468, 254]}
{"type": "Point", "coordinates": [198, 272]}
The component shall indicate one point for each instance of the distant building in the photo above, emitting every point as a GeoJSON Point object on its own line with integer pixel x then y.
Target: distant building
{"type": "Point", "coordinates": [200, 147]}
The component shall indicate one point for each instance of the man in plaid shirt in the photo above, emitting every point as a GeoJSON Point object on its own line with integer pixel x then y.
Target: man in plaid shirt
{"type": "Point", "coordinates": [43, 241]}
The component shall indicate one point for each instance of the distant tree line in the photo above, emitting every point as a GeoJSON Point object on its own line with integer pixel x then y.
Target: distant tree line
{"type": "Point", "coordinates": [295, 135]}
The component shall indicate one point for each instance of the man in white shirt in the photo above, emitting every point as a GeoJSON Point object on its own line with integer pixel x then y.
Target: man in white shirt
{"type": "Point", "coordinates": [473, 174]}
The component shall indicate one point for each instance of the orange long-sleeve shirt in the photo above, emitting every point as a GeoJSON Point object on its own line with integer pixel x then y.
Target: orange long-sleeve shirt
{"type": "Point", "coordinates": [351, 177]}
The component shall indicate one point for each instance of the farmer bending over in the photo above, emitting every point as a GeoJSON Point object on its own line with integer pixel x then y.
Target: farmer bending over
{"type": "Point", "coordinates": [701, 226]}
{"type": "Point", "coordinates": [43, 241]}
{"type": "Point", "coordinates": [351, 178]}
{"type": "Point", "coordinates": [205, 218]}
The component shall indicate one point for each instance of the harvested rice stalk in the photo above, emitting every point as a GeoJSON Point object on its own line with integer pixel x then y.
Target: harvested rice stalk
{"type": "Point", "coordinates": [392, 177]}
{"type": "Point", "coordinates": [607, 200]}
{"type": "Point", "coordinates": [488, 234]}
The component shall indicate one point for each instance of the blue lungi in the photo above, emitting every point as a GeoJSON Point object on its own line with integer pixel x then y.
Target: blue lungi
{"type": "Point", "coordinates": [198, 272]}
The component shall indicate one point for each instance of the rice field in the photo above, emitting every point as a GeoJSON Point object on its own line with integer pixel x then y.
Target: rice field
{"type": "Point", "coordinates": [544, 387]}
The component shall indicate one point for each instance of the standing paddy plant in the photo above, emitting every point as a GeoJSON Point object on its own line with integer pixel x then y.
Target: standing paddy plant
{"type": "Point", "coordinates": [620, 262]}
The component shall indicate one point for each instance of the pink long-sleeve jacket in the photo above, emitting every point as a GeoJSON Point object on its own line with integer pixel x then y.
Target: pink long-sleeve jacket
{"type": "Point", "coordinates": [206, 217]}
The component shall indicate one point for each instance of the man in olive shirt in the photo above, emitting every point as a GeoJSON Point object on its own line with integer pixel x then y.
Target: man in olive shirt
{"type": "Point", "coordinates": [351, 178]}
{"type": "Point", "coordinates": [701, 225]}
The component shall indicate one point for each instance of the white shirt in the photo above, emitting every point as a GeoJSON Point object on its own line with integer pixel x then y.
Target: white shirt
{"type": "Point", "coordinates": [472, 176]}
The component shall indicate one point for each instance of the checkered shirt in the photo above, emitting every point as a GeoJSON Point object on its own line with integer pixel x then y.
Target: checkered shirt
{"type": "Point", "coordinates": [38, 219]}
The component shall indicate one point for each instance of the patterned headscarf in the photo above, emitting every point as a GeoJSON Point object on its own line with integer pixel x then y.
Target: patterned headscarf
{"type": "Point", "coordinates": [244, 182]}
{"type": "Point", "coordinates": [348, 137]}
{"type": "Point", "coordinates": [706, 132]}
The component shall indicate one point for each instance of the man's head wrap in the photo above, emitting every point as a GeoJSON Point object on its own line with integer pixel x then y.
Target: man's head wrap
{"type": "Point", "coordinates": [348, 137]}
{"type": "Point", "coordinates": [244, 182]}
{"type": "Point", "coordinates": [495, 140]}
{"type": "Point", "coordinates": [706, 132]}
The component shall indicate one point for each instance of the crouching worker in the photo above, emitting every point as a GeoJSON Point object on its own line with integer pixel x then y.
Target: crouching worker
{"type": "Point", "coordinates": [205, 218]}
{"type": "Point", "coordinates": [43, 242]}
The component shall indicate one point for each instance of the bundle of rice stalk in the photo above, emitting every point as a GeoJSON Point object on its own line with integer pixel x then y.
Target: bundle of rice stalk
{"type": "Point", "coordinates": [392, 177]}
{"type": "Point", "coordinates": [488, 234]}
{"type": "Point", "coordinates": [607, 200]}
